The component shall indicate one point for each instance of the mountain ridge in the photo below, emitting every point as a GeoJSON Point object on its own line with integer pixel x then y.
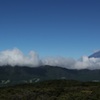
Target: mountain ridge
{"type": "Point", "coordinates": [25, 74]}
{"type": "Point", "coordinates": [95, 55]}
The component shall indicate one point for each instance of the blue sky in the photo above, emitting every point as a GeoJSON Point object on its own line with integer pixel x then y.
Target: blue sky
{"type": "Point", "coordinates": [69, 28]}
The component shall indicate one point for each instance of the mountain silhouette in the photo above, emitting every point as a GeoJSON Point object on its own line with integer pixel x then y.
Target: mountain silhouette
{"type": "Point", "coordinates": [95, 55]}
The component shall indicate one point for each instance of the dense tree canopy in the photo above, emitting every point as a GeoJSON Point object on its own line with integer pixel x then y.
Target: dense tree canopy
{"type": "Point", "coordinates": [52, 90]}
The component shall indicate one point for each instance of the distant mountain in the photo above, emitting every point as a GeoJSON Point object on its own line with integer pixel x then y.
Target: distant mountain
{"type": "Point", "coordinates": [17, 75]}
{"type": "Point", "coordinates": [95, 55]}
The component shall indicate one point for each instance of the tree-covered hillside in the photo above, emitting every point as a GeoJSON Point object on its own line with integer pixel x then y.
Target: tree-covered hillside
{"type": "Point", "coordinates": [23, 74]}
{"type": "Point", "coordinates": [52, 90]}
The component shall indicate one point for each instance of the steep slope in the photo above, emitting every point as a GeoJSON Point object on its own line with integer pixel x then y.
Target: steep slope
{"type": "Point", "coordinates": [95, 55]}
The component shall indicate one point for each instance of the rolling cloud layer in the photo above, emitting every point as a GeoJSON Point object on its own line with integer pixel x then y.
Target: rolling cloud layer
{"type": "Point", "coordinates": [16, 57]}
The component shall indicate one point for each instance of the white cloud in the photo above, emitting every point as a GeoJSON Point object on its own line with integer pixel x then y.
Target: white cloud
{"type": "Point", "coordinates": [16, 57]}
{"type": "Point", "coordinates": [59, 61]}
{"type": "Point", "coordinates": [83, 63]}
{"type": "Point", "coordinates": [88, 63]}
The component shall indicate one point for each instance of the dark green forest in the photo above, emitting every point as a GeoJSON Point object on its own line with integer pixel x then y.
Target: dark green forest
{"type": "Point", "coordinates": [23, 74]}
{"type": "Point", "coordinates": [52, 90]}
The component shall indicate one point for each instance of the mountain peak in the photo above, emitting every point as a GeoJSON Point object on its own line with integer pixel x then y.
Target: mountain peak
{"type": "Point", "coordinates": [95, 55]}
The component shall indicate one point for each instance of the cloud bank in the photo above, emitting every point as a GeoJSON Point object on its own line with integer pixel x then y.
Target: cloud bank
{"type": "Point", "coordinates": [16, 57]}
{"type": "Point", "coordinates": [83, 63]}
